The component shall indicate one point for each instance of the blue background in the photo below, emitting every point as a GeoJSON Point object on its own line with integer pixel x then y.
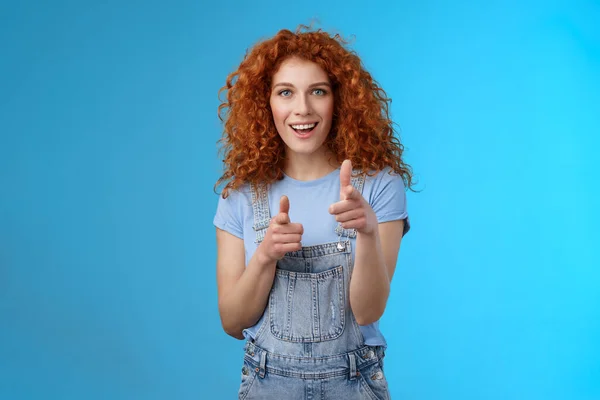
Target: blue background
{"type": "Point", "coordinates": [108, 122]}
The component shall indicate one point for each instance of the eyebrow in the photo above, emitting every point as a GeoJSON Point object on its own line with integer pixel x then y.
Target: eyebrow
{"type": "Point", "coordinates": [287, 84]}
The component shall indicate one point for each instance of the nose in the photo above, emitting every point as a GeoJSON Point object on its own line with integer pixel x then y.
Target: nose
{"type": "Point", "coordinates": [302, 106]}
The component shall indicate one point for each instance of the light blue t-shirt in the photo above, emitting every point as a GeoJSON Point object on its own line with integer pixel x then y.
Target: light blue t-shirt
{"type": "Point", "coordinates": [309, 205]}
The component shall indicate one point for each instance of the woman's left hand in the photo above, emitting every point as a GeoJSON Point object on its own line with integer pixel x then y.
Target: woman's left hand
{"type": "Point", "coordinates": [353, 211]}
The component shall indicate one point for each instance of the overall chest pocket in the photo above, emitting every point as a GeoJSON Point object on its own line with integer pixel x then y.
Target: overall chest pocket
{"type": "Point", "coordinates": [307, 307]}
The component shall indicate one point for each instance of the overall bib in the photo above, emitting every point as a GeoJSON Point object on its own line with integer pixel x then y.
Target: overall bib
{"type": "Point", "coordinates": [308, 345]}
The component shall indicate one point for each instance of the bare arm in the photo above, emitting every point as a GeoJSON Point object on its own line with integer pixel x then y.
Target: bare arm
{"type": "Point", "coordinates": [377, 247]}
{"type": "Point", "coordinates": [243, 290]}
{"type": "Point", "coordinates": [374, 266]}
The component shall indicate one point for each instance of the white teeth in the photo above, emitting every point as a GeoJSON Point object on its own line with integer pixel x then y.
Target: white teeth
{"type": "Point", "coordinates": [307, 126]}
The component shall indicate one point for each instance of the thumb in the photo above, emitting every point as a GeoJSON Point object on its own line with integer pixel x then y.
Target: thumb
{"type": "Point", "coordinates": [284, 205]}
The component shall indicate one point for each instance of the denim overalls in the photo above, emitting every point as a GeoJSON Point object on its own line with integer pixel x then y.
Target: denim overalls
{"type": "Point", "coordinates": [308, 344]}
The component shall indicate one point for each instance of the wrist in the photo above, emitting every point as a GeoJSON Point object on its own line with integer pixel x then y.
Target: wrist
{"type": "Point", "coordinates": [371, 234]}
{"type": "Point", "coordinates": [263, 259]}
{"type": "Point", "coordinates": [371, 230]}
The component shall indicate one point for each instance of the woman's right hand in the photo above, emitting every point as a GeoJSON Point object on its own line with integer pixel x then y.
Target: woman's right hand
{"type": "Point", "coordinates": [244, 289]}
{"type": "Point", "coordinates": [282, 236]}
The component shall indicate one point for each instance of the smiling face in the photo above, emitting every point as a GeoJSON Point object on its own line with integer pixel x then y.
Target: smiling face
{"type": "Point", "coordinates": [302, 105]}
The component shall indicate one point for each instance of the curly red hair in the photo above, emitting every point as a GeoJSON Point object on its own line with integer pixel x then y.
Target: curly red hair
{"type": "Point", "coordinates": [361, 130]}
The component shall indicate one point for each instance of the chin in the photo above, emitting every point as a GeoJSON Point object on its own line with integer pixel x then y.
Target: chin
{"type": "Point", "coordinates": [303, 150]}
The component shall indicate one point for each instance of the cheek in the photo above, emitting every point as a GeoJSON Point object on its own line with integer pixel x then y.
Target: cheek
{"type": "Point", "coordinates": [328, 112]}
{"type": "Point", "coordinates": [279, 113]}
{"type": "Point", "coordinates": [278, 116]}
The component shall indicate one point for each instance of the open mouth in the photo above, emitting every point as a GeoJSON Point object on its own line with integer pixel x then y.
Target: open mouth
{"type": "Point", "coordinates": [304, 129]}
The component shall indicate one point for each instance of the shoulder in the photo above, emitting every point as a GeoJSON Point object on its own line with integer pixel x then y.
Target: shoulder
{"type": "Point", "coordinates": [233, 210]}
{"type": "Point", "coordinates": [385, 180]}
{"type": "Point", "coordinates": [386, 193]}
{"type": "Point", "coordinates": [237, 196]}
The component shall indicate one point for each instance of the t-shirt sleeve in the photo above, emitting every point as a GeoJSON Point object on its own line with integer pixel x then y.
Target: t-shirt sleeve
{"type": "Point", "coordinates": [229, 214]}
{"type": "Point", "coordinates": [389, 198]}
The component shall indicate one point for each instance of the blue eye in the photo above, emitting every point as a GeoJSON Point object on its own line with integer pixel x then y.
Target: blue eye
{"type": "Point", "coordinates": [319, 92]}
{"type": "Point", "coordinates": [285, 93]}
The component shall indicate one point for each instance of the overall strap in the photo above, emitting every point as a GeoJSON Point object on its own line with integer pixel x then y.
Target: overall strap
{"type": "Point", "coordinates": [260, 208]}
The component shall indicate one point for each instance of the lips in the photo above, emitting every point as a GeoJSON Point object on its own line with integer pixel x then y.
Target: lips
{"type": "Point", "coordinates": [304, 129]}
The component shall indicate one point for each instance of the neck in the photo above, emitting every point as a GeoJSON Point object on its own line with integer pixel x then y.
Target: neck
{"type": "Point", "coordinates": [308, 167]}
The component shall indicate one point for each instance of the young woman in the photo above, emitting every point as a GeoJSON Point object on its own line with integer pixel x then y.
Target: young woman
{"type": "Point", "coordinates": [310, 219]}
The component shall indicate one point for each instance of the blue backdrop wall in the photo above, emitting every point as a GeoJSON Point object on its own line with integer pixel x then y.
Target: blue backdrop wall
{"type": "Point", "coordinates": [108, 130]}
